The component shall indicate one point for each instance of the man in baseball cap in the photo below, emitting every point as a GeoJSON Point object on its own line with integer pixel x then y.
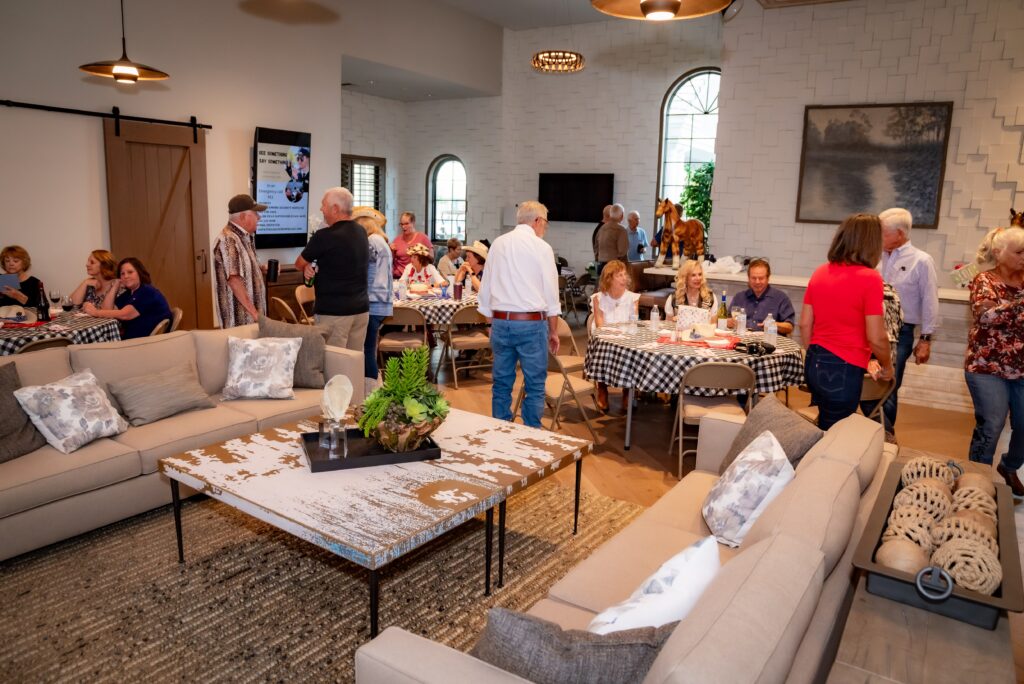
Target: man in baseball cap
{"type": "Point", "coordinates": [241, 291]}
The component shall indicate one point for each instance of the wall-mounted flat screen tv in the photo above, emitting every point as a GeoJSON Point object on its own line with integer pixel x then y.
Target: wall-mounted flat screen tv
{"type": "Point", "coordinates": [576, 196]}
{"type": "Point", "coordinates": [280, 163]}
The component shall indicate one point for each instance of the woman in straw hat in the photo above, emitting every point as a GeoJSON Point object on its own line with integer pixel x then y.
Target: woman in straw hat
{"type": "Point", "coordinates": [473, 268]}
{"type": "Point", "coordinates": [420, 268]}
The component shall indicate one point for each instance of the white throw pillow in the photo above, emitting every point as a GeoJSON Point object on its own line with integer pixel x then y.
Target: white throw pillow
{"type": "Point", "coordinates": [748, 485]}
{"type": "Point", "coordinates": [71, 412]}
{"type": "Point", "coordinates": [261, 369]}
{"type": "Point", "coordinates": [666, 596]}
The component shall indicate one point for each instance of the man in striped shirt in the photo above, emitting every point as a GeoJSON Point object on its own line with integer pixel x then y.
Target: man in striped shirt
{"type": "Point", "coordinates": [241, 291]}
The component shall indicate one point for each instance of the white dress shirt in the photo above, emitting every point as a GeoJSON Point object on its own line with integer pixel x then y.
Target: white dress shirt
{"type": "Point", "coordinates": [912, 272]}
{"type": "Point", "coordinates": [520, 275]}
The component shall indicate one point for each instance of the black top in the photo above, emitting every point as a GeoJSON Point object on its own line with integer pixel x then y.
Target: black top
{"type": "Point", "coordinates": [342, 254]}
{"type": "Point", "coordinates": [151, 305]}
{"type": "Point", "coordinates": [30, 288]}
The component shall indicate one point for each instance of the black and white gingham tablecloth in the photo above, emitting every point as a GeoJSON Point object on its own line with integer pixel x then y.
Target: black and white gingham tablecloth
{"type": "Point", "coordinates": [622, 360]}
{"type": "Point", "coordinates": [437, 311]}
{"type": "Point", "coordinates": [79, 329]}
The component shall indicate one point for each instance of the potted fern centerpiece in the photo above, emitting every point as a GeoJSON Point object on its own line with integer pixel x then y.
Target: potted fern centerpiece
{"type": "Point", "coordinates": [403, 411]}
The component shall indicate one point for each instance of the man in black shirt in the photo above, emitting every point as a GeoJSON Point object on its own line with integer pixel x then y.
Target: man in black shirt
{"type": "Point", "coordinates": [341, 253]}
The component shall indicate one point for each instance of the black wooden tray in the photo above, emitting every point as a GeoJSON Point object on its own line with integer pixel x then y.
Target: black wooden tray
{"type": "Point", "coordinates": [963, 604]}
{"type": "Point", "coordinates": [362, 452]}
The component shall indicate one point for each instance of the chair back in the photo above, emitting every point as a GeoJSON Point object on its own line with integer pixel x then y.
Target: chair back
{"type": "Point", "coordinates": [44, 344]}
{"type": "Point", "coordinates": [720, 375]}
{"type": "Point", "coordinates": [878, 391]}
{"type": "Point", "coordinates": [590, 325]}
{"type": "Point", "coordinates": [669, 310]}
{"type": "Point", "coordinates": [406, 315]}
{"type": "Point", "coordinates": [284, 310]}
{"type": "Point", "coordinates": [304, 295]}
{"type": "Point", "coordinates": [161, 327]}
{"type": "Point", "coordinates": [467, 315]}
{"type": "Point", "coordinates": [176, 314]}
{"type": "Point", "coordinates": [564, 331]}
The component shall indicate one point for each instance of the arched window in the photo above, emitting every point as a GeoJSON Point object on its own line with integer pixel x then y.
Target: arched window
{"type": "Point", "coordinates": [446, 206]}
{"type": "Point", "coordinates": [688, 127]}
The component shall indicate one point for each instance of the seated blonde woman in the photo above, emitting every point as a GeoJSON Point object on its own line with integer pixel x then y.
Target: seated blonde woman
{"type": "Point", "coordinates": [613, 303]}
{"type": "Point", "coordinates": [692, 289]}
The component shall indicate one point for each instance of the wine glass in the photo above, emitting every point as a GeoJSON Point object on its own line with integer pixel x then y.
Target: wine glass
{"type": "Point", "coordinates": [55, 297]}
{"type": "Point", "coordinates": [66, 303]}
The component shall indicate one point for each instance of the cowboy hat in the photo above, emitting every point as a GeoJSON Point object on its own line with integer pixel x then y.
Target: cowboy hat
{"type": "Point", "coordinates": [420, 250]}
{"type": "Point", "coordinates": [369, 212]}
{"type": "Point", "coordinates": [478, 248]}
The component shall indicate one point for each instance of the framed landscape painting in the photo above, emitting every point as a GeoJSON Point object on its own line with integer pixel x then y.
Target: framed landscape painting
{"type": "Point", "coordinates": [868, 158]}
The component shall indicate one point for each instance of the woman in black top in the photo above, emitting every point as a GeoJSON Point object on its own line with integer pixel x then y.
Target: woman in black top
{"type": "Point", "coordinates": [16, 261]}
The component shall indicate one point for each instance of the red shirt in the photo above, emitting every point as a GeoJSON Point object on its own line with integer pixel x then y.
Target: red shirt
{"type": "Point", "coordinates": [400, 246]}
{"type": "Point", "coordinates": [841, 296]}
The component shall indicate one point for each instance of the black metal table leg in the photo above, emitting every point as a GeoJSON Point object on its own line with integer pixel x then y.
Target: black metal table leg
{"type": "Point", "coordinates": [488, 543]}
{"type": "Point", "coordinates": [374, 595]}
{"type": "Point", "coordinates": [501, 544]}
{"type": "Point", "coordinates": [576, 512]}
{"type": "Point", "coordinates": [176, 498]}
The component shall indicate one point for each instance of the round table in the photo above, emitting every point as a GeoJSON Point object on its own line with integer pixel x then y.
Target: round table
{"type": "Point", "coordinates": [77, 327]}
{"type": "Point", "coordinates": [435, 310]}
{"type": "Point", "coordinates": [639, 361]}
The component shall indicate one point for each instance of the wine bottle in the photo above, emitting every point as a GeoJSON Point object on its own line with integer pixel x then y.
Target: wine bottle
{"type": "Point", "coordinates": [43, 309]}
{"type": "Point", "coordinates": [723, 314]}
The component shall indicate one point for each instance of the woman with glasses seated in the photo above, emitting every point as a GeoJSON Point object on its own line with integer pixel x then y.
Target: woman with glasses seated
{"type": "Point", "coordinates": [139, 306]}
{"type": "Point", "coordinates": [613, 303]}
{"type": "Point", "coordinates": [15, 261]}
{"type": "Point", "coordinates": [842, 322]}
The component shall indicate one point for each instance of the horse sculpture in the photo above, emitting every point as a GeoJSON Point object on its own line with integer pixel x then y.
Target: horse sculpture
{"type": "Point", "coordinates": [686, 237]}
{"type": "Point", "coordinates": [1016, 218]}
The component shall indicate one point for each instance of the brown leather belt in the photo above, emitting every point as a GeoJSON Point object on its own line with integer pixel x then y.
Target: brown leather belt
{"type": "Point", "coordinates": [520, 315]}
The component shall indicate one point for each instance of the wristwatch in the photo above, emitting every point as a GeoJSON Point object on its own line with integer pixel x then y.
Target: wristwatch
{"type": "Point", "coordinates": [925, 337]}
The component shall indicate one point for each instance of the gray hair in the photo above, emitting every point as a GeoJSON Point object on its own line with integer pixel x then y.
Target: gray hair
{"type": "Point", "coordinates": [606, 212]}
{"type": "Point", "coordinates": [529, 211]}
{"type": "Point", "coordinates": [341, 198]}
{"type": "Point", "coordinates": [632, 214]}
{"type": "Point", "coordinates": [897, 219]}
{"type": "Point", "coordinates": [236, 216]}
{"type": "Point", "coordinates": [996, 242]}
{"type": "Point", "coordinates": [617, 212]}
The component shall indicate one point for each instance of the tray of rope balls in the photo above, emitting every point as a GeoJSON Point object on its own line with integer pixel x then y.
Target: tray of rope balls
{"type": "Point", "coordinates": [942, 537]}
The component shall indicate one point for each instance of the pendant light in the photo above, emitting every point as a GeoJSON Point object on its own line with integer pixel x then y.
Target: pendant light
{"type": "Point", "coordinates": [559, 61]}
{"type": "Point", "coordinates": [659, 10]}
{"type": "Point", "coordinates": [124, 70]}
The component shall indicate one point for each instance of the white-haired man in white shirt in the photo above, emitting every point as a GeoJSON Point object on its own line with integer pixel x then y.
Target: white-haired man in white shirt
{"type": "Point", "coordinates": [519, 296]}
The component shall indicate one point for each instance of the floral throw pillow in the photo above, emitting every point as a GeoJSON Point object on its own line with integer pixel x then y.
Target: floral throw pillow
{"type": "Point", "coordinates": [261, 369]}
{"type": "Point", "coordinates": [71, 412]}
{"type": "Point", "coordinates": [747, 486]}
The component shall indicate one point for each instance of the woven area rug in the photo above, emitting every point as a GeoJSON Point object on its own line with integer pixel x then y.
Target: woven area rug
{"type": "Point", "coordinates": [253, 603]}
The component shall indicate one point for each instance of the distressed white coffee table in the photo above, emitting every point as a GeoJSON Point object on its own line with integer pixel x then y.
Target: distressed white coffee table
{"type": "Point", "coordinates": [373, 516]}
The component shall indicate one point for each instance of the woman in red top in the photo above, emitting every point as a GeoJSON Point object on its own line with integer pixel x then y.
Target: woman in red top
{"type": "Point", "coordinates": [842, 320]}
{"type": "Point", "coordinates": [994, 364]}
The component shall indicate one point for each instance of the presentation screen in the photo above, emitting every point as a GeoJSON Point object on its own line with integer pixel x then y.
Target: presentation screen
{"type": "Point", "coordinates": [281, 181]}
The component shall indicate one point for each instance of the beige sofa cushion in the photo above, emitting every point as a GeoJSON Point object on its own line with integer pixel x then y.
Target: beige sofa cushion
{"type": "Point", "coordinates": [270, 413]}
{"type": "Point", "coordinates": [185, 431]}
{"type": "Point", "coordinates": [565, 615]}
{"type": "Point", "coordinates": [116, 361]}
{"type": "Point", "coordinates": [47, 475]}
{"type": "Point", "coordinates": [818, 507]}
{"type": "Point", "coordinates": [41, 367]}
{"type": "Point", "coordinates": [854, 440]}
{"type": "Point", "coordinates": [211, 349]}
{"type": "Point", "coordinates": [680, 506]}
{"type": "Point", "coordinates": [749, 623]}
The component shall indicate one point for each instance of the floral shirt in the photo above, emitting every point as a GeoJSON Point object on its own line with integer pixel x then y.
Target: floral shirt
{"type": "Point", "coordinates": [995, 344]}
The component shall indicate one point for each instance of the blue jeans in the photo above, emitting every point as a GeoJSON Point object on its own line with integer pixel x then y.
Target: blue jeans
{"type": "Point", "coordinates": [525, 342]}
{"type": "Point", "coordinates": [994, 397]}
{"type": "Point", "coordinates": [904, 350]}
{"type": "Point", "coordinates": [835, 385]}
{"type": "Point", "coordinates": [370, 369]}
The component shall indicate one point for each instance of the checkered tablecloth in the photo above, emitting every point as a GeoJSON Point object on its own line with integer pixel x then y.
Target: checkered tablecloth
{"type": "Point", "coordinates": [437, 311]}
{"type": "Point", "coordinates": [79, 329]}
{"type": "Point", "coordinates": [638, 361]}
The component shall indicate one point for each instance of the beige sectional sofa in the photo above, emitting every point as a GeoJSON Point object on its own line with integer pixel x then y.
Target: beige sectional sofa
{"type": "Point", "coordinates": [775, 610]}
{"type": "Point", "coordinates": [47, 496]}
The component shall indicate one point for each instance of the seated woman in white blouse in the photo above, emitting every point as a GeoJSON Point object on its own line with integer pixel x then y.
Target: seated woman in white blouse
{"type": "Point", "coordinates": [421, 268]}
{"type": "Point", "coordinates": [613, 303]}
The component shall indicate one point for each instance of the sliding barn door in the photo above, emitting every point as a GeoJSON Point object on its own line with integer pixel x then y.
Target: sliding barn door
{"type": "Point", "coordinates": [156, 193]}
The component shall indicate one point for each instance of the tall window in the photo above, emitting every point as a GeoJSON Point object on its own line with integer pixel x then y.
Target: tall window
{"type": "Point", "coordinates": [364, 177]}
{"type": "Point", "coordinates": [446, 208]}
{"type": "Point", "coordinates": [689, 125]}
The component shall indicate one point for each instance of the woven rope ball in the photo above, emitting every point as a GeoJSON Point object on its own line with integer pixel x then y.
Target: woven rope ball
{"type": "Point", "coordinates": [925, 495]}
{"type": "Point", "coordinates": [904, 513]}
{"type": "Point", "coordinates": [901, 554]}
{"type": "Point", "coordinates": [954, 527]}
{"type": "Point", "coordinates": [915, 529]}
{"type": "Point", "coordinates": [924, 467]}
{"type": "Point", "coordinates": [986, 522]}
{"type": "Point", "coordinates": [978, 481]}
{"type": "Point", "coordinates": [974, 499]}
{"type": "Point", "coordinates": [971, 564]}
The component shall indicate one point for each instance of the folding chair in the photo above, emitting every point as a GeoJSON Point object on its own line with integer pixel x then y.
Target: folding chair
{"type": "Point", "coordinates": [722, 375]}
{"type": "Point", "coordinates": [871, 390]}
{"type": "Point", "coordinates": [572, 362]}
{"type": "Point", "coordinates": [304, 295]}
{"type": "Point", "coordinates": [560, 387]}
{"type": "Point", "coordinates": [283, 310]}
{"type": "Point", "coordinates": [397, 342]}
{"type": "Point", "coordinates": [469, 339]}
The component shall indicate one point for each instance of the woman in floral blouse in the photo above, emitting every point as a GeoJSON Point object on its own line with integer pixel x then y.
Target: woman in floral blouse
{"type": "Point", "coordinates": [994, 363]}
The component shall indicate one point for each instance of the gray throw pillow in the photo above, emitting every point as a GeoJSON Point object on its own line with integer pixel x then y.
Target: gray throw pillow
{"type": "Point", "coordinates": [795, 434]}
{"type": "Point", "coordinates": [18, 436]}
{"type": "Point", "coordinates": [146, 399]}
{"type": "Point", "coordinates": [309, 367]}
{"type": "Point", "coordinates": [543, 652]}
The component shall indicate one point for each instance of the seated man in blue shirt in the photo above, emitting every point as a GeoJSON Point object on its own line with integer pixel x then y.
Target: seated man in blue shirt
{"type": "Point", "coordinates": [761, 299]}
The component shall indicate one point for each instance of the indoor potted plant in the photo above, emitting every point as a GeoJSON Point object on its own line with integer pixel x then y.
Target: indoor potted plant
{"type": "Point", "coordinates": [403, 411]}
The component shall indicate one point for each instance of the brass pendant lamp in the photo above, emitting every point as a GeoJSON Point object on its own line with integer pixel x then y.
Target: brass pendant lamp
{"type": "Point", "coordinates": [559, 61]}
{"type": "Point", "coordinates": [659, 10]}
{"type": "Point", "coordinates": [124, 70]}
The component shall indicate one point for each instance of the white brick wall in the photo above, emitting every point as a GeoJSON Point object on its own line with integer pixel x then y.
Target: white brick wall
{"type": "Point", "coordinates": [776, 62]}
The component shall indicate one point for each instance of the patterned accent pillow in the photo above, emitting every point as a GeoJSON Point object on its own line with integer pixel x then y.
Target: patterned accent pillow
{"type": "Point", "coordinates": [748, 485]}
{"type": "Point", "coordinates": [666, 596]}
{"type": "Point", "coordinates": [261, 369]}
{"type": "Point", "coordinates": [71, 412]}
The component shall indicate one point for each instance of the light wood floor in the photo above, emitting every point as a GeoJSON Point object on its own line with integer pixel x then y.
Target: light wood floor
{"type": "Point", "coordinates": [645, 472]}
